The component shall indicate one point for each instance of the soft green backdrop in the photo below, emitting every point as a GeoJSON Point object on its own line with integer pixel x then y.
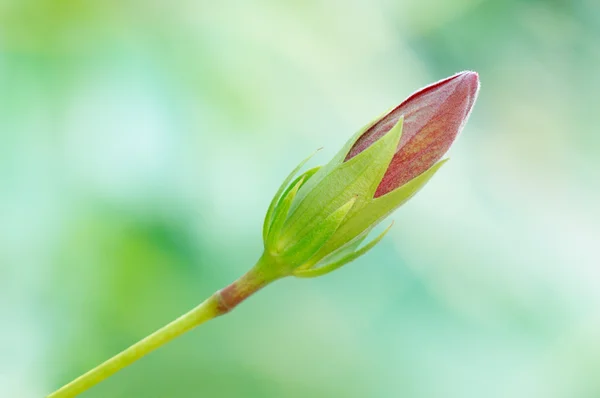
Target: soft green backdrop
{"type": "Point", "coordinates": [140, 144]}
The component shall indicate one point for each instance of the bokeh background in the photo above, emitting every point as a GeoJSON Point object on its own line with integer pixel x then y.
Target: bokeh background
{"type": "Point", "coordinates": [141, 142]}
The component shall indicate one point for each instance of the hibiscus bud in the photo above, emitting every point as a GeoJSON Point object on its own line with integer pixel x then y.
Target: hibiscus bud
{"type": "Point", "coordinates": [316, 222]}
{"type": "Point", "coordinates": [433, 117]}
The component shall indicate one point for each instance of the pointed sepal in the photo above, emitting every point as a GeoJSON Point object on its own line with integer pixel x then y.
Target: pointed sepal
{"type": "Point", "coordinates": [269, 216]}
{"type": "Point", "coordinates": [281, 213]}
{"type": "Point", "coordinates": [357, 177]}
{"type": "Point", "coordinates": [376, 210]}
{"type": "Point", "coordinates": [332, 266]}
{"type": "Point", "coordinates": [301, 252]}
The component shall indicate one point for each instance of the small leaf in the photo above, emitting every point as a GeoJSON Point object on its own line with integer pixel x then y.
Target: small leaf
{"type": "Point", "coordinates": [327, 268]}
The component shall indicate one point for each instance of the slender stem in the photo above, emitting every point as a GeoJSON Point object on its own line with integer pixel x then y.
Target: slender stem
{"type": "Point", "coordinates": [218, 304]}
{"type": "Point", "coordinates": [200, 314]}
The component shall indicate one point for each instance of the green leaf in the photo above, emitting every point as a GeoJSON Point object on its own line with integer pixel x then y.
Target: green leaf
{"type": "Point", "coordinates": [332, 266]}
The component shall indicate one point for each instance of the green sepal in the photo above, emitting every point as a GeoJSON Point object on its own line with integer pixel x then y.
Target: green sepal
{"type": "Point", "coordinates": [339, 157]}
{"type": "Point", "coordinates": [358, 177]}
{"type": "Point", "coordinates": [306, 176]}
{"type": "Point", "coordinates": [332, 266]}
{"type": "Point", "coordinates": [278, 195]}
{"type": "Point", "coordinates": [388, 202]}
{"type": "Point", "coordinates": [376, 210]}
{"type": "Point", "coordinates": [280, 214]}
{"type": "Point", "coordinates": [301, 252]}
{"type": "Point", "coordinates": [346, 249]}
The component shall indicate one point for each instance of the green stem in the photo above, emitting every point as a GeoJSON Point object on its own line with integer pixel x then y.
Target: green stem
{"type": "Point", "coordinates": [218, 304]}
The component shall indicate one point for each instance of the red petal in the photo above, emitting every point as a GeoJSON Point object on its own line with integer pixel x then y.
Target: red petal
{"type": "Point", "coordinates": [433, 117]}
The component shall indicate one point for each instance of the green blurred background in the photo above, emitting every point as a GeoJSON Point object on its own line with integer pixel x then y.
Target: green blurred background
{"type": "Point", "coordinates": [140, 144]}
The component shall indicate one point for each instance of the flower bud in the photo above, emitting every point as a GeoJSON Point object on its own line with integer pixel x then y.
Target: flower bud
{"type": "Point", "coordinates": [433, 117]}
{"type": "Point", "coordinates": [316, 222]}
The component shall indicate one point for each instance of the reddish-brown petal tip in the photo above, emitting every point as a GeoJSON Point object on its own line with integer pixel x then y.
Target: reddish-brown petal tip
{"type": "Point", "coordinates": [433, 117]}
